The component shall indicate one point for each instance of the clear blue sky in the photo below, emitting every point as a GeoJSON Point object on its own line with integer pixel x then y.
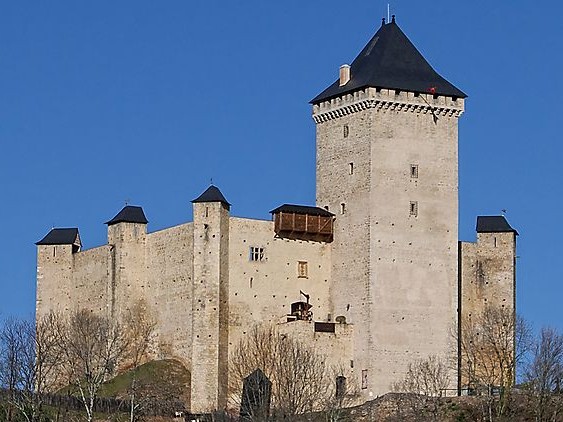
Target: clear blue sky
{"type": "Point", "coordinates": [146, 101]}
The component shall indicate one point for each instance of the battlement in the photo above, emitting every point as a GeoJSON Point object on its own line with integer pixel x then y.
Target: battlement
{"type": "Point", "coordinates": [387, 99]}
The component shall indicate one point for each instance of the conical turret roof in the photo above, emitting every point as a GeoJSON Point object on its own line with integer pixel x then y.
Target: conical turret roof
{"type": "Point", "coordinates": [61, 236]}
{"type": "Point", "coordinates": [391, 61]}
{"type": "Point", "coordinates": [212, 194]}
{"type": "Point", "coordinates": [493, 224]}
{"type": "Point", "coordinates": [129, 214]}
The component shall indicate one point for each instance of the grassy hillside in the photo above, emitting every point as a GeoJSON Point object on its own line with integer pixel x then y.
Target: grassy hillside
{"type": "Point", "coordinates": [168, 376]}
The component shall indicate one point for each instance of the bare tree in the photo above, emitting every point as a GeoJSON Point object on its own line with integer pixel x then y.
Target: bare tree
{"type": "Point", "coordinates": [30, 356]}
{"type": "Point", "coordinates": [492, 344]}
{"type": "Point", "coordinates": [139, 330]}
{"type": "Point", "coordinates": [343, 392]}
{"type": "Point", "coordinates": [545, 374]}
{"type": "Point", "coordinates": [92, 349]}
{"type": "Point", "coordinates": [424, 381]}
{"type": "Point", "coordinates": [300, 377]}
{"type": "Point", "coordinates": [41, 359]}
{"type": "Point", "coordinates": [428, 377]}
{"type": "Point", "coordinates": [12, 345]}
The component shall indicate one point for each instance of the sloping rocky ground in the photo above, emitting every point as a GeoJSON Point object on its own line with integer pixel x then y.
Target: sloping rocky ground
{"type": "Point", "coordinates": [399, 407]}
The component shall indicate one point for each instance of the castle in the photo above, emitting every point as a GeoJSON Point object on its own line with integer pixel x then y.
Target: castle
{"type": "Point", "coordinates": [373, 275]}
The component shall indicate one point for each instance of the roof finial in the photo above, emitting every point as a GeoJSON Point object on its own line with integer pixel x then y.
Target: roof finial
{"type": "Point", "coordinates": [393, 19]}
{"type": "Point", "coordinates": [211, 181]}
{"type": "Point", "coordinates": [382, 21]}
{"type": "Point", "coordinates": [127, 200]}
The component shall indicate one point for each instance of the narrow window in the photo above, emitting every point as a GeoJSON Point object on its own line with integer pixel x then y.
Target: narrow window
{"type": "Point", "coordinates": [256, 253]}
{"type": "Point", "coordinates": [351, 168]}
{"type": "Point", "coordinates": [251, 282]}
{"type": "Point", "coordinates": [495, 238]}
{"type": "Point", "coordinates": [342, 208]}
{"type": "Point", "coordinates": [414, 171]}
{"type": "Point", "coordinates": [413, 208]}
{"type": "Point", "coordinates": [302, 269]}
{"type": "Point", "coordinates": [346, 131]}
{"type": "Point", "coordinates": [206, 212]}
{"type": "Point", "coordinates": [364, 379]}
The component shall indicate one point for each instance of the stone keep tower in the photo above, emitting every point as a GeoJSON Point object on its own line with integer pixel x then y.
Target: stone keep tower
{"type": "Point", "coordinates": [387, 166]}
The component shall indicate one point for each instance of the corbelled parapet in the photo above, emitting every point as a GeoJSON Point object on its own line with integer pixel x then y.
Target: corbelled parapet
{"type": "Point", "coordinates": [387, 99]}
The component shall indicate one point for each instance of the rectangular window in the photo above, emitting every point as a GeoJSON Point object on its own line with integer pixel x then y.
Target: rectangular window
{"type": "Point", "coordinates": [342, 208]}
{"type": "Point", "coordinates": [325, 327]}
{"type": "Point", "coordinates": [364, 379]}
{"type": "Point", "coordinates": [414, 171]}
{"type": "Point", "coordinates": [351, 168]}
{"type": "Point", "coordinates": [302, 269]}
{"type": "Point", "coordinates": [346, 131]}
{"type": "Point", "coordinates": [413, 208]}
{"type": "Point", "coordinates": [256, 253]}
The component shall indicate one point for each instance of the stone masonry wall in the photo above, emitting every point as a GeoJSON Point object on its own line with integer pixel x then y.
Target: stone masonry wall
{"type": "Point", "coordinates": [169, 289]}
{"type": "Point", "coordinates": [90, 279]}
{"type": "Point", "coordinates": [395, 248]}
{"type": "Point", "coordinates": [55, 290]}
{"type": "Point", "coordinates": [262, 291]}
{"type": "Point", "coordinates": [128, 272]}
{"type": "Point", "coordinates": [210, 282]}
{"type": "Point", "coordinates": [488, 272]}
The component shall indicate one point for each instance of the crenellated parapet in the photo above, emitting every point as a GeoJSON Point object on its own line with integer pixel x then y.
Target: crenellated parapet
{"type": "Point", "coordinates": [387, 99]}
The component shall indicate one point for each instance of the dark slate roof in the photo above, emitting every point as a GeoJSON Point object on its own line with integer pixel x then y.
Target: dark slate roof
{"type": "Point", "coordinates": [212, 194]}
{"type": "Point", "coordinates": [129, 214]}
{"type": "Point", "coordinates": [302, 209]}
{"type": "Point", "coordinates": [493, 224]}
{"type": "Point", "coordinates": [391, 61]}
{"type": "Point", "coordinates": [66, 236]}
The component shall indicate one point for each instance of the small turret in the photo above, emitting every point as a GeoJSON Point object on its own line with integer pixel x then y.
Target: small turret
{"type": "Point", "coordinates": [496, 261]}
{"type": "Point", "coordinates": [487, 280]}
{"type": "Point", "coordinates": [55, 262]}
{"type": "Point", "coordinates": [210, 306]}
{"type": "Point", "coordinates": [127, 237]}
{"type": "Point", "coordinates": [129, 224]}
